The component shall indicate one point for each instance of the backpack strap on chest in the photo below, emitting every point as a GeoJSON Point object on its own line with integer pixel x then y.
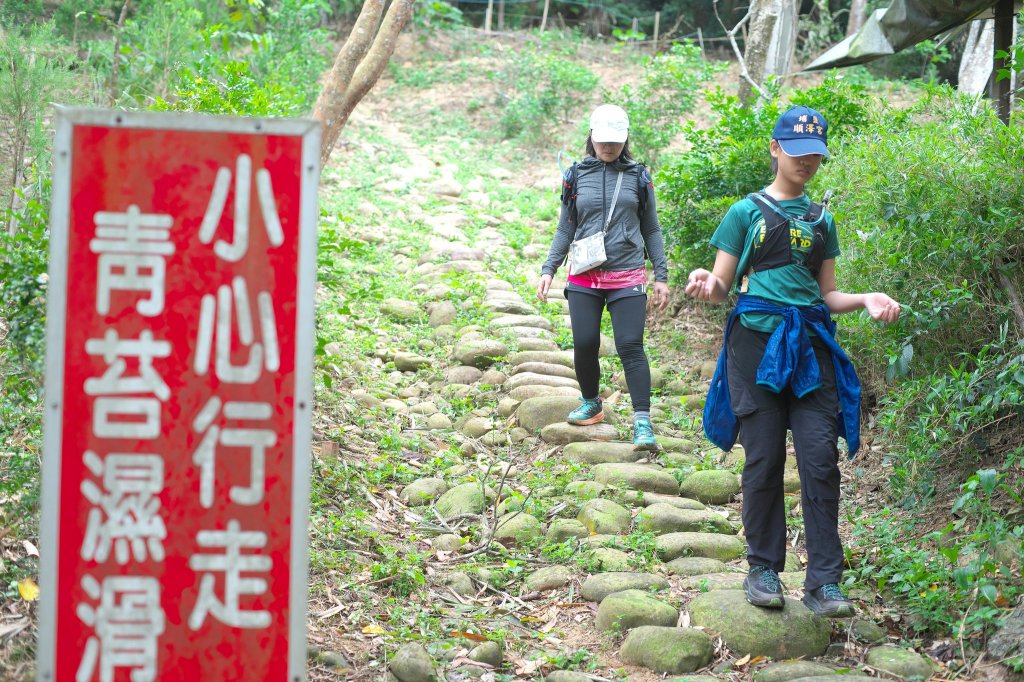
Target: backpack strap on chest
{"type": "Point", "coordinates": [771, 246]}
{"type": "Point", "coordinates": [772, 249]}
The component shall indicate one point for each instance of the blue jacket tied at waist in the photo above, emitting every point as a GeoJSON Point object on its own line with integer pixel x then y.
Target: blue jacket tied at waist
{"type": "Point", "coordinates": [788, 360]}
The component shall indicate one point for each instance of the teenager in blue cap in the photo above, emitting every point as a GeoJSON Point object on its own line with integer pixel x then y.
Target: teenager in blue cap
{"type": "Point", "coordinates": [781, 369]}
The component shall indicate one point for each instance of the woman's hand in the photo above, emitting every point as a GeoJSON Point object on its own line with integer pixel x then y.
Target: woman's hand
{"type": "Point", "coordinates": [659, 295]}
{"type": "Point", "coordinates": [542, 288]}
{"type": "Point", "coordinates": [881, 307]}
{"type": "Point", "coordinates": [701, 285]}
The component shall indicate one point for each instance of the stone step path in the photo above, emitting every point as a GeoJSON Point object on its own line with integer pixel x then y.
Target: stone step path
{"type": "Point", "coordinates": [653, 547]}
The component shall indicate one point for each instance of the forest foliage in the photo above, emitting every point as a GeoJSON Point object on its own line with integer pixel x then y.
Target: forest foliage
{"type": "Point", "coordinates": [929, 199]}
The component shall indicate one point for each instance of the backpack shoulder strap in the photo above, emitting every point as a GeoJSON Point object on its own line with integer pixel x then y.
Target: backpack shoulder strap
{"type": "Point", "coordinates": [771, 247]}
{"type": "Point", "coordinates": [644, 182]}
{"type": "Point", "coordinates": [773, 214]}
{"type": "Point", "coordinates": [569, 191]}
{"type": "Point", "coordinates": [815, 217]}
{"type": "Point", "coordinates": [816, 210]}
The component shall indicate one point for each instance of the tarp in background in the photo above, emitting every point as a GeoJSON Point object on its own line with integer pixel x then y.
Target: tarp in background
{"type": "Point", "coordinates": [902, 24]}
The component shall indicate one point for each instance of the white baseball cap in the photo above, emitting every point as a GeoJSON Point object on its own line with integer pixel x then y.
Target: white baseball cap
{"type": "Point", "coordinates": [609, 123]}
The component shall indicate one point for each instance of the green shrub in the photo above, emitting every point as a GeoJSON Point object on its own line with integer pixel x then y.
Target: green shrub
{"type": "Point", "coordinates": [542, 89]}
{"type": "Point", "coordinates": [23, 264]}
{"type": "Point", "coordinates": [930, 212]}
{"type": "Point", "coordinates": [957, 581]}
{"type": "Point", "coordinates": [155, 44]}
{"type": "Point", "coordinates": [268, 66]}
{"type": "Point", "coordinates": [217, 86]}
{"type": "Point", "coordinates": [33, 73]}
{"type": "Point", "coordinates": [436, 15]}
{"type": "Point", "coordinates": [956, 418]}
{"type": "Point", "coordinates": [667, 90]}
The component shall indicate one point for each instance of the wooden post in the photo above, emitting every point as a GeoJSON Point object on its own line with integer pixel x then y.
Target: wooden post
{"type": "Point", "coordinates": [657, 25]}
{"type": "Point", "coordinates": [544, 19]}
{"type": "Point", "coordinates": [1000, 90]}
{"type": "Point", "coordinates": [487, 16]}
{"type": "Point", "coordinates": [501, 15]}
{"type": "Point", "coordinates": [700, 41]}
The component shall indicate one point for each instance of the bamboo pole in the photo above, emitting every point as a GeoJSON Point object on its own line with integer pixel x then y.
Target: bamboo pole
{"type": "Point", "coordinates": [657, 25]}
{"type": "Point", "coordinates": [544, 19]}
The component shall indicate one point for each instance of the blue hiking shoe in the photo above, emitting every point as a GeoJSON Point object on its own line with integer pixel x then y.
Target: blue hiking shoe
{"type": "Point", "coordinates": [643, 436]}
{"type": "Point", "coordinates": [590, 412]}
{"type": "Point", "coordinates": [828, 601]}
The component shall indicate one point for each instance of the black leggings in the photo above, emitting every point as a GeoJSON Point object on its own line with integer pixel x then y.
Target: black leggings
{"type": "Point", "coordinates": [629, 316]}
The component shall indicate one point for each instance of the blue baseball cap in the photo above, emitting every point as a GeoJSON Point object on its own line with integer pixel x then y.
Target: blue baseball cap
{"type": "Point", "coordinates": [802, 131]}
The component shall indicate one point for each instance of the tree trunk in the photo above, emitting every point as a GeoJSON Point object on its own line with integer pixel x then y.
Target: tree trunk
{"type": "Point", "coordinates": [858, 14]}
{"type": "Point", "coordinates": [765, 15]}
{"type": "Point", "coordinates": [358, 65]}
{"type": "Point", "coordinates": [783, 43]}
{"type": "Point", "coordinates": [1016, 305]}
{"type": "Point", "coordinates": [116, 61]}
{"type": "Point", "coordinates": [976, 62]}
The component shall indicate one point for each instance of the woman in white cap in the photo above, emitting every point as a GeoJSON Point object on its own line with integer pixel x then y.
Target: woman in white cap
{"type": "Point", "coordinates": [781, 369]}
{"type": "Point", "coordinates": [608, 191]}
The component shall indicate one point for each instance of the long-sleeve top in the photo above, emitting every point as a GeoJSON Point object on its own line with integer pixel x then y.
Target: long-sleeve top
{"type": "Point", "coordinates": [630, 231]}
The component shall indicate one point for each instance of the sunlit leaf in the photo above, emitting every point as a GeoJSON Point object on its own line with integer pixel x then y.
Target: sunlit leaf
{"type": "Point", "coordinates": [28, 589]}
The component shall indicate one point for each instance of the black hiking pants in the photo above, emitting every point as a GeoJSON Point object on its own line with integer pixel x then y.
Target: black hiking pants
{"type": "Point", "coordinates": [629, 316]}
{"type": "Point", "coordinates": [764, 417]}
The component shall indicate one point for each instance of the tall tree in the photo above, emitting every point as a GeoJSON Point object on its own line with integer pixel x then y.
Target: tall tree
{"type": "Point", "coordinates": [858, 13]}
{"type": "Point", "coordinates": [358, 65]}
{"type": "Point", "coordinates": [771, 39]}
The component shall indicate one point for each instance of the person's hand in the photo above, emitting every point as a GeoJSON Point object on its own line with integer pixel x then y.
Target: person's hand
{"type": "Point", "coordinates": [542, 288]}
{"type": "Point", "coordinates": [701, 285]}
{"type": "Point", "coordinates": [659, 295]}
{"type": "Point", "coordinates": [881, 307]}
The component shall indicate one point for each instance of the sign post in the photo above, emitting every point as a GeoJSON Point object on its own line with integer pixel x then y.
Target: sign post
{"type": "Point", "coordinates": [178, 398]}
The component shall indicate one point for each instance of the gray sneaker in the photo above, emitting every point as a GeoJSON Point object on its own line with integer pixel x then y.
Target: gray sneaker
{"type": "Point", "coordinates": [763, 588]}
{"type": "Point", "coordinates": [828, 601]}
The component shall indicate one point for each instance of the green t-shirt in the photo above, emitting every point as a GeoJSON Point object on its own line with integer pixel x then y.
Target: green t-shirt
{"type": "Point", "coordinates": [793, 284]}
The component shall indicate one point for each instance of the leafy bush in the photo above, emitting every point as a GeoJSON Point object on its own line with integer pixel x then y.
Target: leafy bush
{"type": "Point", "coordinates": [437, 14]}
{"type": "Point", "coordinates": [542, 89]}
{"type": "Point", "coordinates": [217, 86]}
{"type": "Point", "coordinates": [962, 417]}
{"type": "Point", "coordinates": [667, 90]}
{"type": "Point", "coordinates": [23, 264]}
{"type": "Point", "coordinates": [930, 215]}
{"type": "Point", "coordinates": [967, 567]}
{"type": "Point", "coordinates": [269, 66]}
{"type": "Point", "coordinates": [33, 72]}
{"type": "Point", "coordinates": [154, 45]}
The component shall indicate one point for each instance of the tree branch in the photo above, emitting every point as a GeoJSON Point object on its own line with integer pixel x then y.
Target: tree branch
{"type": "Point", "coordinates": [358, 66]}
{"type": "Point", "coordinates": [1012, 293]}
{"type": "Point", "coordinates": [731, 34]}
